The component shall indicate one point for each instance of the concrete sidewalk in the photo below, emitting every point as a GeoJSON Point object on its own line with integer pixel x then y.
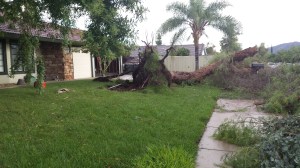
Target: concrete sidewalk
{"type": "Point", "coordinates": [211, 151]}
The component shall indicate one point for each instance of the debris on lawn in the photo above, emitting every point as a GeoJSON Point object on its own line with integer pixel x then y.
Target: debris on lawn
{"type": "Point", "coordinates": [63, 90]}
{"type": "Point", "coordinates": [112, 87]}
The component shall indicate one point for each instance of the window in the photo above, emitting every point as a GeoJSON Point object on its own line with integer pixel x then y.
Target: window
{"type": "Point", "coordinates": [2, 58]}
{"type": "Point", "coordinates": [14, 48]}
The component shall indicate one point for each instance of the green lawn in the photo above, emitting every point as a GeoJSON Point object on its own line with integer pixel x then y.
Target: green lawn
{"type": "Point", "coordinates": [94, 127]}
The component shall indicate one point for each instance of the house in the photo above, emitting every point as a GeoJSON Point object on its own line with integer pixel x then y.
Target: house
{"type": "Point", "coordinates": [61, 63]}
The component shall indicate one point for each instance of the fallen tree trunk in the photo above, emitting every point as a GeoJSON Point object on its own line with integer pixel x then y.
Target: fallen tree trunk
{"type": "Point", "coordinates": [199, 75]}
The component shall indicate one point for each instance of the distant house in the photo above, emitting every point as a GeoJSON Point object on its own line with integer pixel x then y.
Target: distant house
{"type": "Point", "coordinates": [133, 58]}
{"type": "Point", "coordinates": [134, 55]}
{"type": "Point", "coordinates": [61, 63]}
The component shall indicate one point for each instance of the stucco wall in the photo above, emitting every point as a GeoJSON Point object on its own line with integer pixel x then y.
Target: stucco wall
{"type": "Point", "coordinates": [185, 63]}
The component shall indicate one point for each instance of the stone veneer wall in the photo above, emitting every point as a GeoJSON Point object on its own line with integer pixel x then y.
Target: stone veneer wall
{"type": "Point", "coordinates": [58, 66]}
{"type": "Point", "coordinates": [68, 66]}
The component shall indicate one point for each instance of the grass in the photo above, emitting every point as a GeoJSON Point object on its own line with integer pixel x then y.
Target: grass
{"type": "Point", "coordinates": [93, 127]}
{"type": "Point", "coordinates": [241, 133]}
{"type": "Point", "coordinates": [246, 157]}
{"type": "Point", "coordinates": [165, 157]}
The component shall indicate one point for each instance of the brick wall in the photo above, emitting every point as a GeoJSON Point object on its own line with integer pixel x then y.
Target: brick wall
{"type": "Point", "coordinates": [58, 66]}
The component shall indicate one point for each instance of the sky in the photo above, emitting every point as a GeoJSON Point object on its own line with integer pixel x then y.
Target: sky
{"type": "Point", "coordinates": [263, 21]}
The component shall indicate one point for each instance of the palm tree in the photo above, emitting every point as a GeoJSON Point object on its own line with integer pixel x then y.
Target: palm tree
{"type": "Point", "coordinates": [196, 16]}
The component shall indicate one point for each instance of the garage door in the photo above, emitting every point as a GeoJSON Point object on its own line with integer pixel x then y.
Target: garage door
{"type": "Point", "coordinates": [82, 65]}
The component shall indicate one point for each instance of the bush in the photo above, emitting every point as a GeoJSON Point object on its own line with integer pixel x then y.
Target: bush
{"type": "Point", "coordinates": [181, 52]}
{"type": "Point", "coordinates": [291, 56]}
{"type": "Point", "coordinates": [241, 133]}
{"type": "Point", "coordinates": [280, 146]}
{"type": "Point", "coordinates": [283, 93]}
{"type": "Point", "coordinates": [165, 157]}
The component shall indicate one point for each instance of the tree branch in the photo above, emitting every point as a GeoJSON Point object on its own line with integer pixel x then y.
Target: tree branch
{"type": "Point", "coordinates": [167, 53]}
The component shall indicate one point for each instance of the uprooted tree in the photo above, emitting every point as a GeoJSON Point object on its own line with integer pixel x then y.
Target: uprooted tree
{"type": "Point", "coordinates": [152, 70]}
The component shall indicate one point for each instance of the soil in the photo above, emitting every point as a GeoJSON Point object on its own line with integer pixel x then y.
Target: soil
{"type": "Point", "coordinates": [8, 85]}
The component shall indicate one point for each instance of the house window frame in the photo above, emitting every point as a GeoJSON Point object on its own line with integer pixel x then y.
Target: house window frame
{"type": "Point", "coordinates": [3, 43]}
{"type": "Point", "coordinates": [11, 59]}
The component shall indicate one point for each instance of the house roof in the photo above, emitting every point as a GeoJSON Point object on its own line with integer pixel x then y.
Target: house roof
{"type": "Point", "coordinates": [162, 49]}
{"type": "Point", "coordinates": [48, 32]}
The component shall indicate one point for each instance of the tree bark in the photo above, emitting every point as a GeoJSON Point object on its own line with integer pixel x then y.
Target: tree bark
{"type": "Point", "coordinates": [197, 56]}
{"type": "Point", "coordinates": [196, 37]}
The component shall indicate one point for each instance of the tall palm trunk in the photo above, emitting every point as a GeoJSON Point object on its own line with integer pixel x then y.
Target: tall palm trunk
{"type": "Point", "coordinates": [196, 56]}
{"type": "Point", "coordinates": [196, 43]}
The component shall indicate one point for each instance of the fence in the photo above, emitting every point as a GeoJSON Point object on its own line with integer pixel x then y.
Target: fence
{"type": "Point", "coordinates": [186, 63]}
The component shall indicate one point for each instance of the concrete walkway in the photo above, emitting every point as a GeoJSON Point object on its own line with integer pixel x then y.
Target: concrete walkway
{"type": "Point", "coordinates": [211, 151]}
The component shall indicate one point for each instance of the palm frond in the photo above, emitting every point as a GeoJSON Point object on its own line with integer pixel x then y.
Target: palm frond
{"type": "Point", "coordinates": [178, 9]}
{"type": "Point", "coordinates": [197, 9]}
{"type": "Point", "coordinates": [217, 6]}
{"type": "Point", "coordinates": [212, 12]}
{"type": "Point", "coordinates": [178, 36]}
{"type": "Point", "coordinates": [172, 24]}
{"type": "Point", "coordinates": [228, 25]}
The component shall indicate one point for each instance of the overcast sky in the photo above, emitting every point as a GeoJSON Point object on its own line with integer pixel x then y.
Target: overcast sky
{"type": "Point", "coordinates": [270, 21]}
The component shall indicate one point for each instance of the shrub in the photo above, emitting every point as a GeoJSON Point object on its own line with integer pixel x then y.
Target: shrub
{"type": "Point", "coordinates": [181, 52]}
{"type": "Point", "coordinates": [280, 146]}
{"type": "Point", "coordinates": [241, 133]}
{"type": "Point", "coordinates": [283, 92]}
{"type": "Point", "coordinates": [291, 55]}
{"type": "Point", "coordinates": [163, 157]}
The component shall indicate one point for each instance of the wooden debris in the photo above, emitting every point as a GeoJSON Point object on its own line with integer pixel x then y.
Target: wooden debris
{"type": "Point", "coordinates": [115, 86]}
{"type": "Point", "coordinates": [63, 90]}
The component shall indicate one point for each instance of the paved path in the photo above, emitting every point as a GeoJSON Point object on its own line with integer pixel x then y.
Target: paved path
{"type": "Point", "coordinates": [211, 151]}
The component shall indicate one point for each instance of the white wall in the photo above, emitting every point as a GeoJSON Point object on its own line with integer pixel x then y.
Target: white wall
{"type": "Point", "coordinates": [185, 63]}
{"type": "Point", "coordinates": [82, 65]}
